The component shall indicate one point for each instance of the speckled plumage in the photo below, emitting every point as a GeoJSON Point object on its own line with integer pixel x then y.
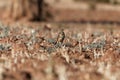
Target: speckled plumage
{"type": "Point", "coordinates": [61, 37]}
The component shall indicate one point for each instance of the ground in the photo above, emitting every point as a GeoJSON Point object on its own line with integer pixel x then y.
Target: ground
{"type": "Point", "coordinates": [65, 49]}
{"type": "Point", "coordinates": [85, 54]}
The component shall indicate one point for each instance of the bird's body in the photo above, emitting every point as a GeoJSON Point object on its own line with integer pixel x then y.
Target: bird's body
{"type": "Point", "coordinates": [61, 37]}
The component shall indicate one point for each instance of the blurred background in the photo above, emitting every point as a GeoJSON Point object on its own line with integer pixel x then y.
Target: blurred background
{"type": "Point", "coordinates": [79, 11]}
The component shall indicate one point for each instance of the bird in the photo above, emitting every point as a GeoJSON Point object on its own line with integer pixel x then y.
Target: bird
{"type": "Point", "coordinates": [60, 37]}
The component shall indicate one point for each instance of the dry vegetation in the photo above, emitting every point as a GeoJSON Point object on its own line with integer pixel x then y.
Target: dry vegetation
{"type": "Point", "coordinates": [59, 52]}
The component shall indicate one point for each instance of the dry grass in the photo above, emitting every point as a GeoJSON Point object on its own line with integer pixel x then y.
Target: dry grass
{"type": "Point", "coordinates": [60, 53]}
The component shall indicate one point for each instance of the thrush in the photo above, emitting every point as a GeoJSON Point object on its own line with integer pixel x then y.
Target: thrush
{"type": "Point", "coordinates": [60, 37]}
